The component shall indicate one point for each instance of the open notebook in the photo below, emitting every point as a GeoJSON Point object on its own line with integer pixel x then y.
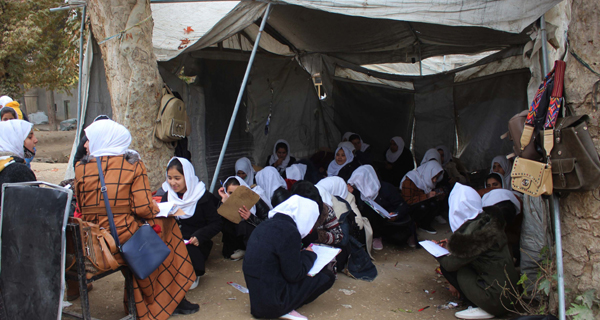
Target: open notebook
{"type": "Point", "coordinates": [325, 254]}
{"type": "Point", "coordinates": [434, 249]}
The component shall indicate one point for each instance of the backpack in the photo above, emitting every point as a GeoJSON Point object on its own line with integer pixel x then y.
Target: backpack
{"type": "Point", "coordinates": [172, 122]}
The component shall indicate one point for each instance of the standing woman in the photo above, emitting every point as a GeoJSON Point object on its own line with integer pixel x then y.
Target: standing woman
{"type": "Point", "coordinates": [130, 197]}
{"type": "Point", "coordinates": [502, 166]}
{"type": "Point", "coordinates": [398, 162]}
{"type": "Point", "coordinates": [201, 222]}
{"type": "Point", "coordinates": [244, 170]}
{"type": "Point", "coordinates": [16, 137]}
{"type": "Point", "coordinates": [280, 159]}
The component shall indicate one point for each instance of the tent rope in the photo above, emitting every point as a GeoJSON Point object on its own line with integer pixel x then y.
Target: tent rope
{"type": "Point", "coordinates": [121, 33]}
{"type": "Point", "coordinates": [596, 85]}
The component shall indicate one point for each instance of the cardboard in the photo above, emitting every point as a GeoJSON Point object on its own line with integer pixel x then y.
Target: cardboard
{"type": "Point", "coordinates": [242, 196]}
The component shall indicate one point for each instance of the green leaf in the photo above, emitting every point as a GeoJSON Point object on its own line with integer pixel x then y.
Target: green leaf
{"type": "Point", "coordinates": [544, 286]}
{"type": "Point", "coordinates": [580, 312]}
{"type": "Point", "coordinates": [523, 279]}
{"type": "Point", "coordinates": [588, 298]}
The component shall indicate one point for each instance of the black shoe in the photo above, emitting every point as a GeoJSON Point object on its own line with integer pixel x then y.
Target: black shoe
{"type": "Point", "coordinates": [428, 228]}
{"type": "Point", "coordinates": [186, 307]}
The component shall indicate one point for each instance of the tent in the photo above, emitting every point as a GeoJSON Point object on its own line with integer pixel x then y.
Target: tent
{"type": "Point", "coordinates": [350, 45]}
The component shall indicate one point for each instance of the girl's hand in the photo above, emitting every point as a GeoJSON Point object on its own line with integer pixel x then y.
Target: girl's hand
{"type": "Point", "coordinates": [194, 241]}
{"type": "Point", "coordinates": [244, 213]}
{"type": "Point", "coordinates": [431, 194]}
{"type": "Point", "coordinates": [223, 194]}
{"type": "Point", "coordinates": [350, 189]}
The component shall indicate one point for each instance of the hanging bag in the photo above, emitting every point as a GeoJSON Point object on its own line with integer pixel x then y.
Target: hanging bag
{"type": "Point", "coordinates": [172, 122]}
{"type": "Point", "coordinates": [145, 251]}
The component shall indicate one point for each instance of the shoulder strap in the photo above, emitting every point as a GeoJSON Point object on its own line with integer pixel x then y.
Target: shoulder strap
{"type": "Point", "coordinates": [111, 220]}
{"type": "Point", "coordinates": [556, 100]}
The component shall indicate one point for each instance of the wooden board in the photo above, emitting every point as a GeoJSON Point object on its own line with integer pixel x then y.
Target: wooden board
{"type": "Point", "coordinates": [242, 196]}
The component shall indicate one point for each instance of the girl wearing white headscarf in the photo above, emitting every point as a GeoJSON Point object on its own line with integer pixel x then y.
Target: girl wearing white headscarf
{"type": "Point", "coordinates": [382, 204]}
{"type": "Point", "coordinates": [130, 199]}
{"type": "Point", "coordinates": [244, 169]}
{"type": "Point", "coordinates": [416, 187]}
{"type": "Point", "coordinates": [280, 159]}
{"type": "Point", "coordinates": [451, 166]}
{"type": "Point", "coordinates": [200, 222]}
{"type": "Point", "coordinates": [16, 136]}
{"type": "Point", "coordinates": [295, 171]}
{"type": "Point", "coordinates": [363, 152]}
{"type": "Point", "coordinates": [346, 136]}
{"type": "Point", "coordinates": [502, 166]}
{"type": "Point", "coordinates": [431, 154]}
{"type": "Point", "coordinates": [275, 188]}
{"type": "Point", "coordinates": [465, 204]}
{"type": "Point", "coordinates": [343, 158]}
{"type": "Point", "coordinates": [398, 161]}
{"type": "Point", "coordinates": [275, 269]}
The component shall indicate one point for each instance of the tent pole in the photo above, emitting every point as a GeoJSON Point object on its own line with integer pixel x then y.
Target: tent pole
{"type": "Point", "coordinates": [239, 98]}
{"type": "Point", "coordinates": [81, 30]}
{"type": "Point", "coordinates": [559, 258]}
{"type": "Point", "coordinates": [420, 61]}
{"type": "Point", "coordinates": [545, 68]}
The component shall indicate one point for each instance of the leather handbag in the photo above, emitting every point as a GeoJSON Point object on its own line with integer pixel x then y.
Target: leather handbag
{"type": "Point", "coordinates": [145, 251]}
{"type": "Point", "coordinates": [531, 177]}
{"type": "Point", "coordinates": [515, 131]}
{"type": "Point", "coordinates": [99, 248]}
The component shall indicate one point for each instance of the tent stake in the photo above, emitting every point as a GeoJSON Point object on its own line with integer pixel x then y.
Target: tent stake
{"type": "Point", "coordinates": [545, 68]}
{"type": "Point", "coordinates": [559, 258]}
{"type": "Point", "coordinates": [81, 30]}
{"type": "Point", "coordinates": [239, 98]}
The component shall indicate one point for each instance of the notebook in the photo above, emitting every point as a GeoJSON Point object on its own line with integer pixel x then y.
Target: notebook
{"type": "Point", "coordinates": [242, 196]}
{"type": "Point", "coordinates": [168, 209]}
{"type": "Point", "coordinates": [325, 255]}
{"type": "Point", "coordinates": [434, 249]}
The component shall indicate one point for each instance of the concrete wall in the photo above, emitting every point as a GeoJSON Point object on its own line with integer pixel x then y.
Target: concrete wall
{"type": "Point", "coordinates": [66, 102]}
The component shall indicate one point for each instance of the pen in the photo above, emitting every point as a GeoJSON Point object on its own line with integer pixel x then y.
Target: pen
{"type": "Point", "coordinates": [422, 309]}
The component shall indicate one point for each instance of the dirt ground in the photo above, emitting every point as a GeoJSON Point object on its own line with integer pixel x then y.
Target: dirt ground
{"type": "Point", "coordinates": [53, 146]}
{"type": "Point", "coordinates": [397, 292]}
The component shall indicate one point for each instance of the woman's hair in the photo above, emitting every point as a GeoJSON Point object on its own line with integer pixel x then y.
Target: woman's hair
{"type": "Point", "coordinates": [175, 163]}
{"type": "Point", "coordinates": [281, 145]}
{"type": "Point", "coordinates": [354, 137]}
{"type": "Point", "coordinates": [6, 110]}
{"type": "Point", "coordinates": [308, 190]}
{"type": "Point", "coordinates": [495, 176]}
{"type": "Point", "coordinates": [231, 182]}
{"type": "Point", "coordinates": [279, 195]}
{"type": "Point", "coordinates": [508, 210]}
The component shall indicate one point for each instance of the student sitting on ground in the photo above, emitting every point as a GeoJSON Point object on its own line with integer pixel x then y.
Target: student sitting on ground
{"type": "Point", "coordinates": [276, 270]}
{"type": "Point", "coordinates": [398, 162]}
{"type": "Point", "coordinates": [503, 197]}
{"type": "Point", "coordinates": [377, 199]}
{"type": "Point", "coordinates": [244, 170]}
{"type": "Point", "coordinates": [479, 265]}
{"type": "Point", "coordinates": [16, 137]}
{"type": "Point", "coordinates": [201, 222]}
{"type": "Point", "coordinates": [363, 152]}
{"type": "Point", "coordinates": [417, 189]}
{"type": "Point", "coordinates": [233, 233]}
{"type": "Point", "coordinates": [343, 162]}
{"type": "Point", "coordinates": [280, 159]}
{"type": "Point", "coordinates": [295, 172]}
{"type": "Point", "coordinates": [451, 166]}
{"type": "Point", "coordinates": [502, 166]}
{"type": "Point", "coordinates": [275, 188]}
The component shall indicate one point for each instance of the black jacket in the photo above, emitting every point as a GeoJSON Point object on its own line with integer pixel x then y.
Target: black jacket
{"type": "Point", "coordinates": [400, 168]}
{"type": "Point", "coordinates": [205, 223]}
{"type": "Point", "coordinates": [16, 172]}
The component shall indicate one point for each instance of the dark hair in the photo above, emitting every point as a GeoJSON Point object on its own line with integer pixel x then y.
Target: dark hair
{"type": "Point", "coordinates": [281, 145]}
{"type": "Point", "coordinates": [231, 182]}
{"type": "Point", "coordinates": [496, 176]}
{"type": "Point", "coordinates": [308, 190]}
{"type": "Point", "coordinates": [175, 164]}
{"type": "Point", "coordinates": [508, 210]}
{"type": "Point", "coordinates": [279, 195]}
{"type": "Point", "coordinates": [354, 137]}
{"type": "Point", "coordinates": [10, 110]}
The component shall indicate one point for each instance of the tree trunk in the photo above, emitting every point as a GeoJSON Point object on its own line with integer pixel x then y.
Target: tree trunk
{"type": "Point", "coordinates": [51, 110]}
{"type": "Point", "coordinates": [132, 75]}
{"type": "Point", "coordinates": [580, 212]}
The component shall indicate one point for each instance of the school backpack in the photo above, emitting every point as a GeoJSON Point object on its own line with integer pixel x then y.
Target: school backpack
{"type": "Point", "coordinates": [172, 122]}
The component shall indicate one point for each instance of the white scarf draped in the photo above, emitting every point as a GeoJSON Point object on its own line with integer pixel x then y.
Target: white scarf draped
{"type": "Point", "coordinates": [274, 156]}
{"type": "Point", "coordinates": [365, 180]}
{"type": "Point", "coordinates": [498, 195]}
{"type": "Point", "coordinates": [325, 195]}
{"type": "Point", "coordinates": [334, 168]}
{"type": "Point", "coordinates": [244, 164]}
{"type": "Point", "coordinates": [243, 183]}
{"type": "Point", "coordinates": [422, 175]}
{"type": "Point", "coordinates": [346, 136]}
{"type": "Point", "coordinates": [12, 136]}
{"type": "Point", "coordinates": [390, 156]}
{"type": "Point", "coordinates": [464, 203]}
{"type": "Point", "coordinates": [303, 211]}
{"type": "Point", "coordinates": [4, 100]}
{"type": "Point", "coordinates": [195, 189]}
{"type": "Point", "coordinates": [269, 180]}
{"type": "Point", "coordinates": [296, 171]}
{"type": "Point", "coordinates": [447, 154]}
{"type": "Point", "coordinates": [431, 154]}
{"type": "Point", "coordinates": [505, 164]}
{"type": "Point", "coordinates": [334, 185]}
{"type": "Point", "coordinates": [107, 138]}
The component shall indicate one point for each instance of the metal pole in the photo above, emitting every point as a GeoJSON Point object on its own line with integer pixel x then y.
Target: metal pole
{"type": "Point", "coordinates": [420, 61]}
{"type": "Point", "coordinates": [545, 68]}
{"type": "Point", "coordinates": [239, 98]}
{"type": "Point", "coordinates": [559, 258]}
{"type": "Point", "coordinates": [81, 30]}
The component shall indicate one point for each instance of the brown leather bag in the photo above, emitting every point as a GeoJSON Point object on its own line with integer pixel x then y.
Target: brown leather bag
{"type": "Point", "coordinates": [99, 248]}
{"type": "Point", "coordinates": [515, 131]}
{"type": "Point", "coordinates": [531, 177]}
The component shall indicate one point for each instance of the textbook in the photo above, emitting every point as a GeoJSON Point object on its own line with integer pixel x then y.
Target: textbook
{"type": "Point", "coordinates": [242, 196]}
{"type": "Point", "coordinates": [325, 254]}
{"type": "Point", "coordinates": [434, 249]}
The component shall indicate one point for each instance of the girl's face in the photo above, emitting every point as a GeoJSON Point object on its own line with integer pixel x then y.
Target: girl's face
{"type": "Point", "coordinates": [176, 180]}
{"type": "Point", "coordinates": [7, 116]}
{"type": "Point", "coordinates": [86, 145]}
{"type": "Point", "coordinates": [340, 157]}
{"type": "Point", "coordinates": [241, 174]}
{"type": "Point", "coordinates": [281, 153]}
{"type": "Point", "coordinates": [498, 168]}
{"type": "Point", "coordinates": [441, 152]}
{"type": "Point", "coordinates": [30, 141]}
{"type": "Point", "coordinates": [434, 180]}
{"type": "Point", "coordinates": [393, 146]}
{"type": "Point", "coordinates": [494, 184]}
{"type": "Point", "coordinates": [231, 189]}
{"type": "Point", "coordinates": [357, 144]}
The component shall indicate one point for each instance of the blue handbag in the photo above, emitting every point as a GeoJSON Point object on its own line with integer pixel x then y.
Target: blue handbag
{"type": "Point", "coordinates": [145, 251]}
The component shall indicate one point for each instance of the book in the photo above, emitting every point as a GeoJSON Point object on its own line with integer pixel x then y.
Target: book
{"type": "Point", "coordinates": [242, 196]}
{"type": "Point", "coordinates": [434, 249]}
{"type": "Point", "coordinates": [325, 255]}
{"type": "Point", "coordinates": [168, 209]}
{"type": "Point", "coordinates": [385, 215]}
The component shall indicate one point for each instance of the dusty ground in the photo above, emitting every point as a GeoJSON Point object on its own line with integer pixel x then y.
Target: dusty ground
{"type": "Point", "coordinates": [53, 146]}
{"type": "Point", "coordinates": [398, 291]}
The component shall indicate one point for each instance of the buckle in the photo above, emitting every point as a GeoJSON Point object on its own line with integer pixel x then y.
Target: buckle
{"type": "Point", "coordinates": [103, 189]}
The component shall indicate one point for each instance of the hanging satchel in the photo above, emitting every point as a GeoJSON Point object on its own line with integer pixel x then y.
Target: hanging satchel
{"type": "Point", "coordinates": [145, 251]}
{"type": "Point", "coordinates": [98, 248]}
{"type": "Point", "coordinates": [172, 122]}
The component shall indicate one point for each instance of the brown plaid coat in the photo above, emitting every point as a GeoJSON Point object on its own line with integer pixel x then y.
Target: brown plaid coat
{"type": "Point", "coordinates": [130, 198]}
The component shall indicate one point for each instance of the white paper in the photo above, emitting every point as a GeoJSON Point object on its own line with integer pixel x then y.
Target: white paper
{"type": "Point", "coordinates": [166, 209]}
{"type": "Point", "coordinates": [434, 249]}
{"type": "Point", "coordinates": [324, 255]}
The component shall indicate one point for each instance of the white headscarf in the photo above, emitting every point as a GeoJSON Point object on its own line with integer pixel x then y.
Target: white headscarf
{"type": "Point", "coordinates": [390, 156]}
{"type": "Point", "coordinates": [244, 164]}
{"type": "Point", "coordinates": [365, 180]}
{"type": "Point", "coordinates": [447, 153]}
{"type": "Point", "coordinates": [498, 195]}
{"type": "Point", "coordinates": [4, 100]}
{"type": "Point", "coordinates": [432, 154]}
{"type": "Point", "coordinates": [107, 138]}
{"type": "Point", "coordinates": [243, 183]}
{"type": "Point", "coordinates": [464, 203]}
{"type": "Point", "coordinates": [334, 185]}
{"type": "Point", "coordinates": [505, 164]}
{"type": "Point", "coordinates": [296, 171]}
{"type": "Point", "coordinates": [422, 175]}
{"type": "Point", "coordinates": [334, 168]}
{"type": "Point", "coordinates": [269, 180]}
{"type": "Point", "coordinates": [274, 156]}
{"type": "Point", "coordinates": [12, 136]}
{"type": "Point", "coordinates": [195, 189]}
{"type": "Point", "coordinates": [363, 145]}
{"type": "Point", "coordinates": [303, 211]}
{"type": "Point", "coordinates": [325, 195]}
{"type": "Point", "coordinates": [346, 136]}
